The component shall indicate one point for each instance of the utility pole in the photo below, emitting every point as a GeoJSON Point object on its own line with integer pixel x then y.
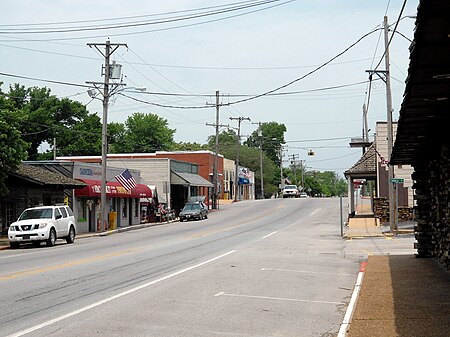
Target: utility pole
{"type": "Point", "coordinates": [390, 133]}
{"type": "Point", "coordinates": [261, 157]}
{"type": "Point", "coordinates": [365, 128]}
{"type": "Point", "coordinates": [303, 169]}
{"type": "Point", "coordinates": [294, 158]}
{"type": "Point", "coordinates": [216, 153]}
{"type": "Point", "coordinates": [54, 148]}
{"type": "Point", "coordinates": [238, 147]}
{"type": "Point", "coordinates": [110, 48]}
{"type": "Point", "coordinates": [281, 167]}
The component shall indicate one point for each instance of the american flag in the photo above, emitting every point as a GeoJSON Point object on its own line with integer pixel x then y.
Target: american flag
{"type": "Point", "coordinates": [126, 180]}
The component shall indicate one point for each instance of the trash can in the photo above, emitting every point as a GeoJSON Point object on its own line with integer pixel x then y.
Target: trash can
{"type": "Point", "coordinates": [112, 220]}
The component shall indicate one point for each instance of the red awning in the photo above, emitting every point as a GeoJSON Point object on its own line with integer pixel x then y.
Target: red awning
{"type": "Point", "coordinates": [113, 189]}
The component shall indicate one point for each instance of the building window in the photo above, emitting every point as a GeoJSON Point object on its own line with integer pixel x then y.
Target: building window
{"type": "Point", "coordinates": [136, 208]}
{"type": "Point", "coordinates": [10, 216]}
{"type": "Point", "coordinates": [124, 207]}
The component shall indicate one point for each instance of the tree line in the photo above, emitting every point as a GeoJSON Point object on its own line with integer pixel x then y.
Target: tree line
{"type": "Point", "coordinates": [30, 117]}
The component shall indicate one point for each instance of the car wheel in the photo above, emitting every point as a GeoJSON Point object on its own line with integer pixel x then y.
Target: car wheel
{"type": "Point", "coordinates": [51, 238]}
{"type": "Point", "coordinates": [206, 216]}
{"type": "Point", "coordinates": [14, 245]}
{"type": "Point", "coordinates": [71, 237]}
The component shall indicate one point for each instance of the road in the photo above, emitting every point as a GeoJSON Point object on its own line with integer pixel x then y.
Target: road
{"type": "Point", "coordinates": [255, 268]}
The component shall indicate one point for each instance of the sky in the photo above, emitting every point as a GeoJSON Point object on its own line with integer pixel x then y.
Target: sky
{"type": "Point", "coordinates": [316, 52]}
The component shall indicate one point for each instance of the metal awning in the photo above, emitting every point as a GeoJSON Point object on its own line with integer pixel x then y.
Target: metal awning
{"type": "Point", "coordinates": [179, 178]}
{"type": "Point", "coordinates": [424, 113]}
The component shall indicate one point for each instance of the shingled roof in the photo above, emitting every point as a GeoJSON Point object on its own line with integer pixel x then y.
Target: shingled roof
{"type": "Point", "coordinates": [41, 176]}
{"type": "Point", "coordinates": [366, 166]}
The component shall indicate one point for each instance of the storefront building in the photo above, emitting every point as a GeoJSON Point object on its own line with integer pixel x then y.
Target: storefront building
{"type": "Point", "coordinates": [123, 205]}
{"type": "Point", "coordinates": [246, 184]}
{"type": "Point", "coordinates": [174, 180]}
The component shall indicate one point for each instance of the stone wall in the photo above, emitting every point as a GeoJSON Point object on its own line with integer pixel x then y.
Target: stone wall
{"type": "Point", "coordinates": [433, 207]}
{"type": "Point", "coordinates": [381, 211]}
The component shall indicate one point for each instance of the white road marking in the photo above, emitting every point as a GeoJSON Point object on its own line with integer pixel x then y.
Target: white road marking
{"type": "Point", "coordinates": [15, 255]}
{"type": "Point", "coordinates": [306, 271]}
{"type": "Point", "coordinates": [314, 212]}
{"type": "Point", "coordinates": [351, 306]}
{"type": "Point", "coordinates": [106, 300]}
{"type": "Point", "coordinates": [275, 298]}
{"type": "Point", "coordinates": [265, 237]}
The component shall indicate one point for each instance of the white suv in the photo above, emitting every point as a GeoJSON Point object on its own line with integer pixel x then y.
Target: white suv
{"type": "Point", "coordinates": [290, 191]}
{"type": "Point", "coordinates": [44, 223]}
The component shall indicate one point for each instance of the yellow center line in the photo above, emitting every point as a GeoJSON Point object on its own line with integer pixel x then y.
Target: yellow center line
{"type": "Point", "coordinates": [389, 238]}
{"type": "Point", "coordinates": [209, 232]}
{"type": "Point", "coordinates": [61, 266]}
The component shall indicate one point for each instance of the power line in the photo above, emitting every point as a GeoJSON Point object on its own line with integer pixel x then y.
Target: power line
{"type": "Point", "coordinates": [392, 35]}
{"type": "Point", "coordinates": [316, 140]}
{"type": "Point", "coordinates": [135, 24]}
{"type": "Point", "coordinates": [44, 80]}
{"type": "Point", "coordinates": [122, 18]}
{"type": "Point", "coordinates": [155, 30]}
{"type": "Point", "coordinates": [307, 74]}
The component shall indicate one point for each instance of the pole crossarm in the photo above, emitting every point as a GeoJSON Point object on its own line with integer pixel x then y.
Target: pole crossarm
{"type": "Point", "coordinates": [379, 73]}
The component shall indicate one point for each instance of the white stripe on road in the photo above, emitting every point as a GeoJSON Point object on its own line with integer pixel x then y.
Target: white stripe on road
{"type": "Point", "coordinates": [306, 271]}
{"type": "Point", "coordinates": [275, 298]}
{"type": "Point", "coordinates": [265, 237]}
{"type": "Point", "coordinates": [106, 300]}
{"type": "Point", "coordinates": [351, 306]}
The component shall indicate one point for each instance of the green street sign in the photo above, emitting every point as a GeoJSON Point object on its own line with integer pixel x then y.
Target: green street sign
{"type": "Point", "coordinates": [397, 180]}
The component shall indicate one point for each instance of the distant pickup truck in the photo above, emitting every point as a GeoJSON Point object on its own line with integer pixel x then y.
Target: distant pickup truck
{"type": "Point", "coordinates": [290, 191]}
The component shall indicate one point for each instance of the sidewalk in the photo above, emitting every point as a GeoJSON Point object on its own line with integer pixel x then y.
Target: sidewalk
{"type": "Point", "coordinates": [402, 296]}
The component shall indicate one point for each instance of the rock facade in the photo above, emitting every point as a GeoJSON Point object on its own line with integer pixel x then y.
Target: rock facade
{"type": "Point", "coordinates": [432, 185]}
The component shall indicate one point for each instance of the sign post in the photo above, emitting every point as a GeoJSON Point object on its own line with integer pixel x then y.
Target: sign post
{"type": "Point", "coordinates": [395, 182]}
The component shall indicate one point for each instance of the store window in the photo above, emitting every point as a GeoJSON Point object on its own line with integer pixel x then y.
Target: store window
{"type": "Point", "coordinates": [124, 208]}
{"type": "Point", "coordinates": [136, 208]}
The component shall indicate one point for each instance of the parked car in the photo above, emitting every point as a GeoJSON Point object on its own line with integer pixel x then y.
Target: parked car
{"type": "Point", "coordinates": [194, 211]}
{"type": "Point", "coordinates": [290, 191]}
{"type": "Point", "coordinates": [303, 195]}
{"type": "Point", "coordinates": [43, 224]}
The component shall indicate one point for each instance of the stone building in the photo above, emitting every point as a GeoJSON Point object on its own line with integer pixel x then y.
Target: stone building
{"type": "Point", "coordinates": [33, 186]}
{"type": "Point", "coordinates": [422, 135]}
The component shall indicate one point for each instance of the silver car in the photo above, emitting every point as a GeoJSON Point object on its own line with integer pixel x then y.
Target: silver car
{"type": "Point", "coordinates": [193, 211]}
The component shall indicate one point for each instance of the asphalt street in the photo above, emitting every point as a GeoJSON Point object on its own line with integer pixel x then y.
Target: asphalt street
{"type": "Point", "coordinates": [254, 268]}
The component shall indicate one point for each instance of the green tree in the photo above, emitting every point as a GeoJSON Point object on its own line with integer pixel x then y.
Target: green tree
{"type": "Point", "coordinates": [226, 138]}
{"type": "Point", "coordinates": [188, 146]}
{"type": "Point", "coordinates": [116, 134]}
{"type": "Point", "coordinates": [272, 138]}
{"type": "Point", "coordinates": [145, 133]}
{"type": "Point", "coordinates": [13, 149]}
{"type": "Point", "coordinates": [44, 117]}
{"type": "Point", "coordinates": [249, 157]}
